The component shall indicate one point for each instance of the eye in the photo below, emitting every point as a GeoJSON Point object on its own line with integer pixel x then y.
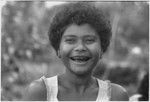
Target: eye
{"type": "Point", "coordinates": [70, 40]}
{"type": "Point", "coordinates": [90, 40]}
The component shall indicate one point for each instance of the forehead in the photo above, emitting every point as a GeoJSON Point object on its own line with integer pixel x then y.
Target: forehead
{"type": "Point", "coordinates": [80, 30]}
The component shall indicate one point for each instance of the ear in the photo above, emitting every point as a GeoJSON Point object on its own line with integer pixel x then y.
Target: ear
{"type": "Point", "coordinates": [101, 55]}
{"type": "Point", "coordinates": [58, 53]}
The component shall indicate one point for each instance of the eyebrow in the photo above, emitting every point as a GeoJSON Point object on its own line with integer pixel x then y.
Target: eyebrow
{"type": "Point", "coordinates": [68, 36]}
{"type": "Point", "coordinates": [91, 36]}
{"type": "Point", "coordinates": [76, 36]}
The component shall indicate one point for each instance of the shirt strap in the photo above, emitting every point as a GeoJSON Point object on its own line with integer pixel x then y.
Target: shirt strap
{"type": "Point", "coordinates": [52, 87]}
{"type": "Point", "coordinates": [104, 90]}
{"type": "Point", "coordinates": [47, 87]}
{"type": "Point", "coordinates": [109, 89]}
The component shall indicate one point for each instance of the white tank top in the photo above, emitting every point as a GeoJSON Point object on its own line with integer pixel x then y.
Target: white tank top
{"type": "Point", "coordinates": [51, 83]}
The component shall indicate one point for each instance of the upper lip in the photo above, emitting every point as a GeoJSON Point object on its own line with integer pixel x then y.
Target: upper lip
{"type": "Point", "coordinates": [78, 57]}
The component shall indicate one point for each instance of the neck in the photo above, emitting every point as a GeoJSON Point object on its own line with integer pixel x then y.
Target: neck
{"type": "Point", "coordinates": [78, 82]}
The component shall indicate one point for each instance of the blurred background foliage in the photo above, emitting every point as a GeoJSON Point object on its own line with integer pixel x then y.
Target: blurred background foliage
{"type": "Point", "coordinates": [27, 54]}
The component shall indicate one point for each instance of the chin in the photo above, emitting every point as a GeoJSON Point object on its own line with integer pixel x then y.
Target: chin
{"type": "Point", "coordinates": [81, 72]}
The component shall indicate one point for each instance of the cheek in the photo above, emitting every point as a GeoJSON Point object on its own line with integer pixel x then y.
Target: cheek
{"type": "Point", "coordinates": [65, 49]}
{"type": "Point", "coordinates": [95, 48]}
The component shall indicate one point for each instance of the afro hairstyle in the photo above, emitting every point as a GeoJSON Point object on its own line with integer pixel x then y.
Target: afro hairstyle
{"type": "Point", "coordinates": [79, 13]}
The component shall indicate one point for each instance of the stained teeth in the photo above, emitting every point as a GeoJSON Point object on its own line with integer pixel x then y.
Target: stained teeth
{"type": "Point", "coordinates": [80, 58]}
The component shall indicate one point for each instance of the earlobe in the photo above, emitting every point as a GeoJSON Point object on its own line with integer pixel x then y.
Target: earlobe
{"type": "Point", "coordinates": [101, 55]}
{"type": "Point", "coordinates": [58, 54]}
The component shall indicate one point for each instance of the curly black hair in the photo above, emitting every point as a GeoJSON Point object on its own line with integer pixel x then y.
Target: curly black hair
{"type": "Point", "coordinates": [79, 13]}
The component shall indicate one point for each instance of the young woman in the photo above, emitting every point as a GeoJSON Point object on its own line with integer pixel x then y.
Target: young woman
{"type": "Point", "coordinates": [80, 34]}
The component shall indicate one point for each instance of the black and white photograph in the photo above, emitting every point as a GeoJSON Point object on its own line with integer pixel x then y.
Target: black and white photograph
{"type": "Point", "coordinates": [74, 50]}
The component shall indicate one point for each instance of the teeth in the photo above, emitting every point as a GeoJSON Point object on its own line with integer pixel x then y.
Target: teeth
{"type": "Point", "coordinates": [79, 59]}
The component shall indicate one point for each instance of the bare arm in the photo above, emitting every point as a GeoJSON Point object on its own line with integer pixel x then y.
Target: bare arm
{"type": "Point", "coordinates": [36, 91]}
{"type": "Point", "coordinates": [118, 93]}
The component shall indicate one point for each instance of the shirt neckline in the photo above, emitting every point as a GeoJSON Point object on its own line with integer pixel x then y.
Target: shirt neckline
{"type": "Point", "coordinates": [56, 91]}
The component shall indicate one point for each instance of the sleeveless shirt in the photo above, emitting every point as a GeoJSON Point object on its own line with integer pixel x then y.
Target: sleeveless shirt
{"type": "Point", "coordinates": [104, 93]}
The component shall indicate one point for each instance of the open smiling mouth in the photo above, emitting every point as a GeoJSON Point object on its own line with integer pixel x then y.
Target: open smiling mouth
{"type": "Point", "coordinates": [80, 59]}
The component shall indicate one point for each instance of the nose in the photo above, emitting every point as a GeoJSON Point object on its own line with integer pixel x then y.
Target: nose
{"type": "Point", "coordinates": [80, 47]}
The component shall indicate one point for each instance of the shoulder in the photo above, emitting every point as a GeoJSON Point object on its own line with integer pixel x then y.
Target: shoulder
{"type": "Point", "coordinates": [118, 93]}
{"type": "Point", "coordinates": [36, 91]}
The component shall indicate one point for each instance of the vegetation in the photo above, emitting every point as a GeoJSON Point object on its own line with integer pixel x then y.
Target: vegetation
{"type": "Point", "coordinates": [27, 54]}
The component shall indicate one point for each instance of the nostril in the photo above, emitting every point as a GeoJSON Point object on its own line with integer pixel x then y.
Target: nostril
{"type": "Point", "coordinates": [80, 48]}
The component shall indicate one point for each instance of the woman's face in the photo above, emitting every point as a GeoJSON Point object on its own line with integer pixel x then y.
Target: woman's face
{"type": "Point", "coordinates": [80, 49]}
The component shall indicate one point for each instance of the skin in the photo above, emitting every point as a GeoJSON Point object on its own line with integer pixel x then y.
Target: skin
{"type": "Point", "coordinates": [77, 83]}
{"type": "Point", "coordinates": [79, 41]}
